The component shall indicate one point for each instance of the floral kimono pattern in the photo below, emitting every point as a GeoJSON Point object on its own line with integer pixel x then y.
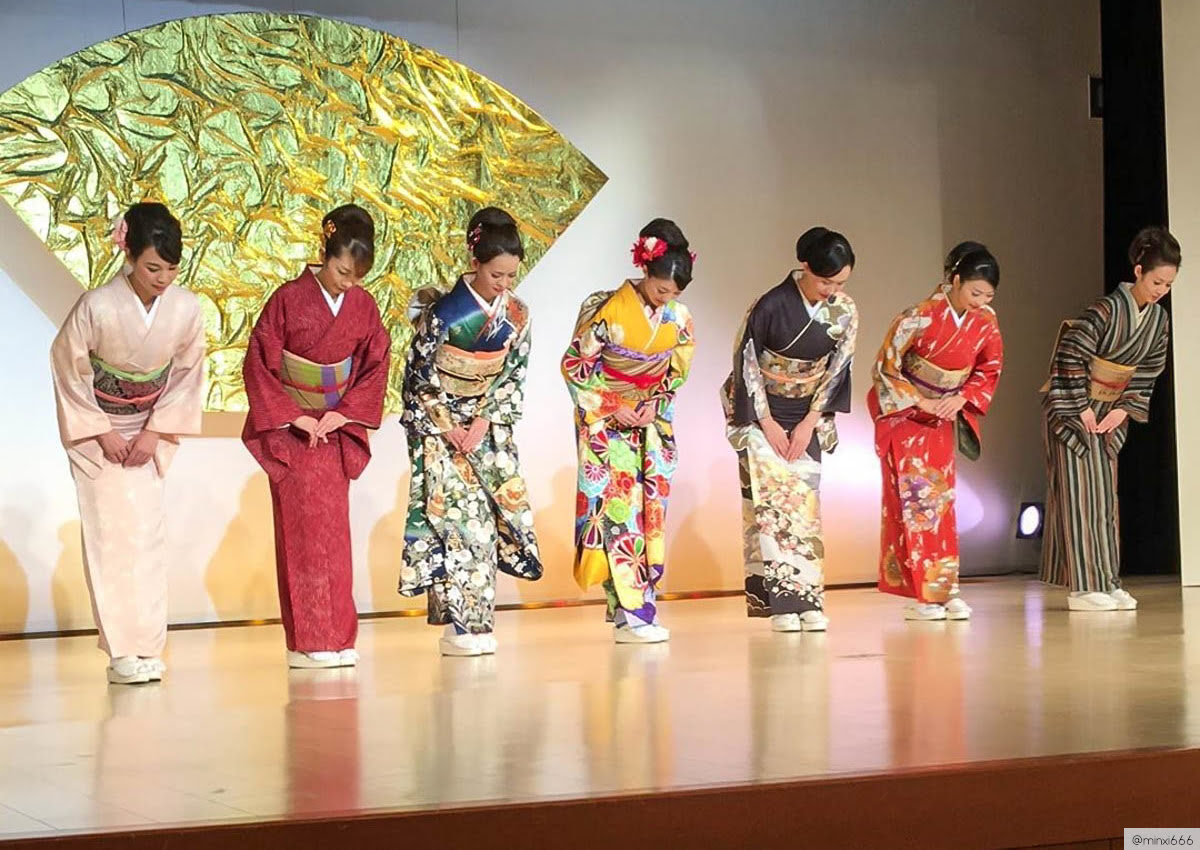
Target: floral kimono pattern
{"type": "Point", "coordinates": [625, 355]}
{"type": "Point", "coordinates": [928, 352]}
{"type": "Point", "coordinates": [790, 358]}
{"type": "Point", "coordinates": [469, 513]}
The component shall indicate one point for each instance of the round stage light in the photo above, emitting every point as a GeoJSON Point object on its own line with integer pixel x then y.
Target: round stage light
{"type": "Point", "coordinates": [1030, 519]}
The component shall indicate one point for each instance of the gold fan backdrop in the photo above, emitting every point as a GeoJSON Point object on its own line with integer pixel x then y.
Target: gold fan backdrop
{"type": "Point", "coordinates": [250, 127]}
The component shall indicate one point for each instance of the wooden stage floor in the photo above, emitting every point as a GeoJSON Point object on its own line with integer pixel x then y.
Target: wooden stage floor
{"type": "Point", "coordinates": [562, 714]}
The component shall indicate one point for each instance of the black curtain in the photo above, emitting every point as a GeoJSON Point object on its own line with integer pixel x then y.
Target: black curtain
{"type": "Point", "coordinates": [1135, 195]}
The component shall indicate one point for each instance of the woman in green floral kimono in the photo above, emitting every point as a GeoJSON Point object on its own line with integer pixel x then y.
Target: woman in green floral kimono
{"type": "Point", "coordinates": [468, 512]}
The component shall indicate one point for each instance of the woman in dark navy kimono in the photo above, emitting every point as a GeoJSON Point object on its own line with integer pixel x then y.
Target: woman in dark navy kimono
{"type": "Point", "coordinates": [791, 374]}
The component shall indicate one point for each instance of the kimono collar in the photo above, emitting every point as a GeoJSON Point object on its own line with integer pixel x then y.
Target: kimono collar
{"type": "Point", "coordinates": [489, 308]}
{"type": "Point", "coordinates": [147, 314]}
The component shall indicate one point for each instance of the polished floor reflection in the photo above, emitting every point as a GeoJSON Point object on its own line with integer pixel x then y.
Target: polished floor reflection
{"type": "Point", "coordinates": [562, 712]}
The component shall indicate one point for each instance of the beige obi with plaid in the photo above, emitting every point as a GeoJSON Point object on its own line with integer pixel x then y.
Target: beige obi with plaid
{"type": "Point", "coordinates": [468, 373]}
{"type": "Point", "coordinates": [931, 380]}
{"type": "Point", "coordinates": [1108, 380]}
{"type": "Point", "coordinates": [787, 377]}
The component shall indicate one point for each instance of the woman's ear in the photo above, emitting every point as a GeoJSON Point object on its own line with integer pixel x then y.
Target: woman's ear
{"type": "Point", "coordinates": [1138, 271]}
{"type": "Point", "coordinates": [475, 264]}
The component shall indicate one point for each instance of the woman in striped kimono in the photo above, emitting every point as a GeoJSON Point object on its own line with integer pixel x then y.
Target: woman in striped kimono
{"type": "Point", "coordinates": [791, 374]}
{"type": "Point", "coordinates": [464, 391]}
{"type": "Point", "coordinates": [1101, 375]}
{"type": "Point", "coordinates": [631, 352]}
{"type": "Point", "coordinates": [933, 380]}
{"type": "Point", "coordinates": [128, 369]}
{"type": "Point", "coordinates": [316, 372]}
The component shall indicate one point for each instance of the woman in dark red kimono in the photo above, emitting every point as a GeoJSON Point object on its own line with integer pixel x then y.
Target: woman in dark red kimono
{"type": "Point", "coordinates": [316, 371]}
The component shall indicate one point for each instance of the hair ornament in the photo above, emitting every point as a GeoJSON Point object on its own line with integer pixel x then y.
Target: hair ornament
{"type": "Point", "coordinates": [120, 232]}
{"type": "Point", "coordinates": [647, 249]}
{"type": "Point", "coordinates": [474, 236]}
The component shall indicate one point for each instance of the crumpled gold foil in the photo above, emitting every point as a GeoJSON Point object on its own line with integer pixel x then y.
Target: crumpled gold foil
{"type": "Point", "coordinates": [250, 127]}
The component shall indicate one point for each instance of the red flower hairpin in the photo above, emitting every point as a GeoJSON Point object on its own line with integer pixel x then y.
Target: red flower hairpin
{"type": "Point", "coordinates": [329, 229]}
{"type": "Point", "coordinates": [474, 236]}
{"type": "Point", "coordinates": [647, 249]}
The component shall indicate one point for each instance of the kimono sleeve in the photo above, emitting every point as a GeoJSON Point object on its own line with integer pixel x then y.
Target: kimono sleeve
{"type": "Point", "coordinates": [833, 393]}
{"type": "Point", "coordinates": [79, 416]}
{"type": "Point", "coordinates": [1067, 394]}
{"type": "Point", "coordinates": [1135, 401]}
{"type": "Point", "coordinates": [895, 392]}
{"type": "Point", "coordinates": [678, 368]}
{"type": "Point", "coordinates": [425, 402]}
{"type": "Point", "coordinates": [271, 407]}
{"type": "Point", "coordinates": [504, 402]}
{"type": "Point", "coordinates": [179, 409]}
{"type": "Point", "coordinates": [989, 363]}
{"type": "Point", "coordinates": [594, 401]}
{"type": "Point", "coordinates": [362, 402]}
{"type": "Point", "coordinates": [748, 392]}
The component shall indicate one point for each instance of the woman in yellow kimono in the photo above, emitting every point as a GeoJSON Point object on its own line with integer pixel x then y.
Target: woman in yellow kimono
{"type": "Point", "coordinates": [129, 380]}
{"type": "Point", "coordinates": [631, 352]}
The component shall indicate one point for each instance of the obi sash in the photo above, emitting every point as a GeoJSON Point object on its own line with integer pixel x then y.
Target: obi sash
{"type": "Point", "coordinates": [468, 373]}
{"type": "Point", "coordinates": [931, 380]}
{"type": "Point", "coordinates": [314, 386]}
{"type": "Point", "coordinates": [633, 375]}
{"type": "Point", "coordinates": [122, 393]}
{"type": "Point", "coordinates": [1108, 379]}
{"type": "Point", "coordinates": [788, 377]}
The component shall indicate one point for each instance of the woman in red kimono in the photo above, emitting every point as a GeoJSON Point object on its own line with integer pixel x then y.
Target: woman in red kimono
{"type": "Point", "coordinates": [315, 372]}
{"type": "Point", "coordinates": [933, 379]}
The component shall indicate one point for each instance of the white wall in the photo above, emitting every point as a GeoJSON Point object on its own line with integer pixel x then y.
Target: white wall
{"type": "Point", "coordinates": [908, 126]}
{"type": "Point", "coordinates": [1181, 69]}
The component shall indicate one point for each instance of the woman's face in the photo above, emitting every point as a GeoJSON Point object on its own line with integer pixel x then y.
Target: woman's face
{"type": "Point", "coordinates": [1149, 285]}
{"type": "Point", "coordinates": [151, 274]}
{"type": "Point", "coordinates": [817, 288]}
{"type": "Point", "coordinates": [659, 291]}
{"type": "Point", "coordinates": [972, 294]}
{"type": "Point", "coordinates": [341, 274]}
{"type": "Point", "coordinates": [496, 276]}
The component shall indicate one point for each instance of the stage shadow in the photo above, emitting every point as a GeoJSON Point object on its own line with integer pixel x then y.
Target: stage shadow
{"type": "Point", "coordinates": [14, 592]}
{"type": "Point", "coordinates": [240, 578]}
{"type": "Point", "coordinates": [554, 523]}
{"type": "Point", "coordinates": [68, 586]}
{"type": "Point", "coordinates": [385, 546]}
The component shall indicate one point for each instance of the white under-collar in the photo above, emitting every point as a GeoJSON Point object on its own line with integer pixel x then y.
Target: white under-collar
{"type": "Point", "coordinates": [335, 304]}
{"type": "Point", "coordinates": [958, 320]}
{"type": "Point", "coordinates": [488, 307]}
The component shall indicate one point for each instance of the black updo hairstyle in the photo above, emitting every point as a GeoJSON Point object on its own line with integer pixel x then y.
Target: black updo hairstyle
{"type": "Point", "coordinates": [676, 263]}
{"type": "Point", "coordinates": [492, 232]}
{"type": "Point", "coordinates": [1153, 247]}
{"type": "Point", "coordinates": [976, 264]}
{"type": "Point", "coordinates": [957, 253]}
{"type": "Point", "coordinates": [350, 229]}
{"type": "Point", "coordinates": [151, 225]}
{"type": "Point", "coordinates": [826, 252]}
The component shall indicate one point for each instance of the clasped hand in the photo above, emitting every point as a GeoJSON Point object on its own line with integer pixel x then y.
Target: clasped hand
{"type": "Point", "coordinates": [466, 440]}
{"type": "Point", "coordinates": [318, 430]}
{"type": "Point", "coordinates": [947, 407]}
{"type": "Point", "coordinates": [1111, 421]}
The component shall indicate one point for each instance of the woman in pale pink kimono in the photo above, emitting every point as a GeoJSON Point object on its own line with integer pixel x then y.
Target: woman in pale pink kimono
{"type": "Point", "coordinates": [128, 377]}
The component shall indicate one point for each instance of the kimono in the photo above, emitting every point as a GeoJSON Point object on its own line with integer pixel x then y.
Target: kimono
{"type": "Point", "coordinates": [308, 354]}
{"type": "Point", "coordinates": [929, 352]}
{"type": "Point", "coordinates": [790, 358]}
{"type": "Point", "coordinates": [1107, 359]}
{"type": "Point", "coordinates": [624, 354]}
{"type": "Point", "coordinates": [468, 513]}
{"type": "Point", "coordinates": [120, 367]}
